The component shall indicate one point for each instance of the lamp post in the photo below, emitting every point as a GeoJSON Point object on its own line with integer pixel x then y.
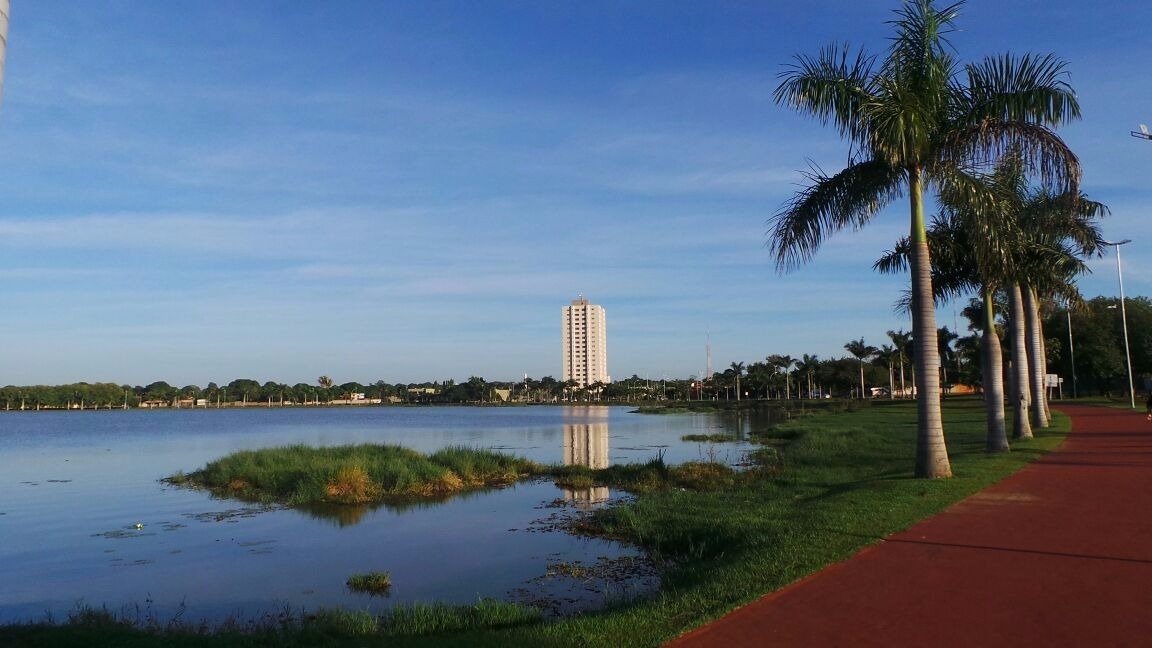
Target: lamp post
{"type": "Point", "coordinates": [1124, 319]}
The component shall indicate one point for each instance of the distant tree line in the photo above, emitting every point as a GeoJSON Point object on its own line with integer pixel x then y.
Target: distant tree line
{"type": "Point", "coordinates": [1090, 363]}
{"type": "Point", "coordinates": [1097, 346]}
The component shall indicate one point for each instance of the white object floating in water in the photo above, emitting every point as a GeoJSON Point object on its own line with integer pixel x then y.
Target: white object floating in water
{"type": "Point", "coordinates": [139, 525]}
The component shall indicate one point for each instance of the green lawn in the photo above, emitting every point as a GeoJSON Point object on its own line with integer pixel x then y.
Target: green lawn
{"type": "Point", "coordinates": [843, 481]}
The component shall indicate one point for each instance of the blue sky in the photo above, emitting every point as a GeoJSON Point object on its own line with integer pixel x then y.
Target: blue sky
{"type": "Point", "coordinates": [412, 190]}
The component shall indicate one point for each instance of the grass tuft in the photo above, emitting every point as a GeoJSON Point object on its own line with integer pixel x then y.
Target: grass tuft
{"type": "Point", "coordinates": [375, 583]}
{"type": "Point", "coordinates": [710, 438]}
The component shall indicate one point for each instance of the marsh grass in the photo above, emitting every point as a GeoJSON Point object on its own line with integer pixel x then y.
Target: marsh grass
{"type": "Point", "coordinates": [657, 476]}
{"type": "Point", "coordinates": [374, 583]}
{"type": "Point", "coordinates": [710, 438]}
{"type": "Point", "coordinates": [298, 475]}
{"type": "Point", "coordinates": [415, 624]}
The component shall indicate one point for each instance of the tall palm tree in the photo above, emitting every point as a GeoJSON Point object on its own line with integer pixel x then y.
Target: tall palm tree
{"type": "Point", "coordinates": [968, 255]}
{"type": "Point", "coordinates": [760, 376]}
{"type": "Point", "coordinates": [887, 356]}
{"type": "Point", "coordinates": [776, 362]}
{"type": "Point", "coordinates": [786, 362]}
{"type": "Point", "coordinates": [861, 352]}
{"type": "Point", "coordinates": [738, 370]}
{"type": "Point", "coordinates": [918, 119]}
{"type": "Point", "coordinates": [983, 241]}
{"type": "Point", "coordinates": [808, 365]}
{"type": "Point", "coordinates": [1018, 389]}
{"type": "Point", "coordinates": [944, 340]}
{"type": "Point", "coordinates": [1068, 222]}
{"type": "Point", "coordinates": [902, 341]}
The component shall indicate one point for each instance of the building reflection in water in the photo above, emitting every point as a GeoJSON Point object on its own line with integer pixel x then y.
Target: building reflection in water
{"type": "Point", "coordinates": [586, 444]}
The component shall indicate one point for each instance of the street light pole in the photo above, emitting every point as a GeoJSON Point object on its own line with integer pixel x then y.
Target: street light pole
{"type": "Point", "coordinates": [1124, 320]}
{"type": "Point", "coordinates": [1072, 353]}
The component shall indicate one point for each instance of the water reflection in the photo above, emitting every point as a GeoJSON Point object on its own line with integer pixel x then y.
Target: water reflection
{"type": "Point", "coordinates": [586, 444]}
{"type": "Point", "coordinates": [344, 515]}
{"type": "Point", "coordinates": [341, 515]}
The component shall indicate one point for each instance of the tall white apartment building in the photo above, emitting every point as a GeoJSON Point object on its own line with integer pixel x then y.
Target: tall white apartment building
{"type": "Point", "coordinates": [585, 343]}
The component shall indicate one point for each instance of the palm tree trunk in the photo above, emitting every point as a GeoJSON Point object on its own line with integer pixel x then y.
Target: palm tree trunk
{"type": "Point", "coordinates": [997, 440]}
{"type": "Point", "coordinates": [931, 451]}
{"type": "Point", "coordinates": [903, 386]}
{"type": "Point", "coordinates": [861, 379]}
{"type": "Point", "coordinates": [1044, 365]}
{"type": "Point", "coordinates": [1021, 426]}
{"type": "Point", "coordinates": [1035, 357]}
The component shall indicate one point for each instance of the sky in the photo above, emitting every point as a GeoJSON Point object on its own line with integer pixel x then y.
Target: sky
{"type": "Point", "coordinates": [412, 190]}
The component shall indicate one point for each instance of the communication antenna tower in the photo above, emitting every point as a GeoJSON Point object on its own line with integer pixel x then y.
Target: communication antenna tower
{"type": "Point", "coordinates": [708, 355]}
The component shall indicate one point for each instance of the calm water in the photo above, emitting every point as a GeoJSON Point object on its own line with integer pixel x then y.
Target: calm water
{"type": "Point", "coordinates": [74, 485]}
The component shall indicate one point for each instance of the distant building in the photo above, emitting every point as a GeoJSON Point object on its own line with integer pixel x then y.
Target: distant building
{"type": "Point", "coordinates": [585, 343]}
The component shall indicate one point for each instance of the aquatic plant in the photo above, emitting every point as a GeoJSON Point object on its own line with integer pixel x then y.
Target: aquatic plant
{"type": "Point", "coordinates": [710, 438]}
{"type": "Point", "coordinates": [374, 583]}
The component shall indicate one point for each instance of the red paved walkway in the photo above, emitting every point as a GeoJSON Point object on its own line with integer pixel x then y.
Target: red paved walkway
{"type": "Point", "coordinates": [1059, 554]}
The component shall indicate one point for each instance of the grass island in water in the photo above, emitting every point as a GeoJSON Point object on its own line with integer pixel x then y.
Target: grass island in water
{"type": "Point", "coordinates": [360, 474]}
{"type": "Point", "coordinates": [355, 474]}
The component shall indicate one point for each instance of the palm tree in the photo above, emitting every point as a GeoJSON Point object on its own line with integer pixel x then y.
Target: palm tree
{"type": "Point", "coordinates": [944, 340]}
{"type": "Point", "coordinates": [738, 370]}
{"type": "Point", "coordinates": [861, 352]}
{"type": "Point", "coordinates": [918, 119]}
{"type": "Point", "coordinates": [966, 256]}
{"type": "Point", "coordinates": [774, 363]}
{"type": "Point", "coordinates": [786, 362]}
{"type": "Point", "coordinates": [760, 377]}
{"type": "Point", "coordinates": [1034, 348]}
{"type": "Point", "coordinates": [1018, 371]}
{"type": "Point", "coordinates": [902, 340]}
{"type": "Point", "coordinates": [983, 241]}
{"type": "Point", "coordinates": [808, 365]}
{"type": "Point", "coordinates": [887, 356]}
{"type": "Point", "coordinates": [1067, 222]}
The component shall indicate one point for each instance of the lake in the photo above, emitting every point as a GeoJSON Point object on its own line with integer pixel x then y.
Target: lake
{"type": "Point", "coordinates": [74, 486]}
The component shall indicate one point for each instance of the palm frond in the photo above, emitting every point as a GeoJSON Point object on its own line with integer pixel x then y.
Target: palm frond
{"type": "Point", "coordinates": [983, 145]}
{"type": "Point", "coordinates": [921, 39]}
{"type": "Point", "coordinates": [893, 261]}
{"type": "Point", "coordinates": [1029, 88]}
{"type": "Point", "coordinates": [829, 204]}
{"type": "Point", "coordinates": [831, 87]}
{"type": "Point", "coordinates": [1068, 217]}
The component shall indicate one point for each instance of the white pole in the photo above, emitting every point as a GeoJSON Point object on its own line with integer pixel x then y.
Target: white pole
{"type": "Point", "coordinates": [1071, 352]}
{"type": "Point", "coordinates": [1124, 320]}
{"type": "Point", "coordinates": [5, 7]}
